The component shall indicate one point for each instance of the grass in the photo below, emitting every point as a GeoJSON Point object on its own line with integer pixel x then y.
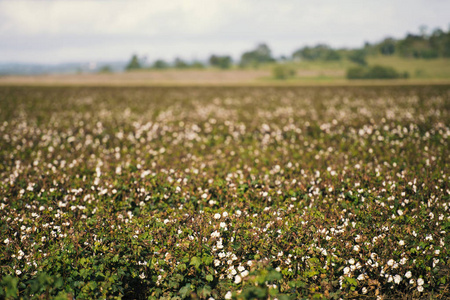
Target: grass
{"type": "Point", "coordinates": [224, 192]}
{"type": "Point", "coordinates": [417, 68]}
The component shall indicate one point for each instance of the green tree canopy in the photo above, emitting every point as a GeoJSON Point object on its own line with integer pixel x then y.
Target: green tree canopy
{"type": "Point", "coordinates": [358, 56]}
{"type": "Point", "coordinates": [262, 54]}
{"type": "Point", "coordinates": [180, 63]}
{"type": "Point", "coordinates": [134, 63]}
{"type": "Point", "coordinates": [319, 52]}
{"type": "Point", "coordinates": [160, 64]}
{"type": "Point", "coordinates": [222, 62]}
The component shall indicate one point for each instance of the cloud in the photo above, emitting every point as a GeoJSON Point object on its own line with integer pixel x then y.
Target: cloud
{"type": "Point", "coordinates": [41, 30]}
{"type": "Point", "coordinates": [112, 17]}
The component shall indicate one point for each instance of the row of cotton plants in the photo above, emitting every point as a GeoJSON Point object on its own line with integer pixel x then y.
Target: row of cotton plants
{"type": "Point", "coordinates": [224, 193]}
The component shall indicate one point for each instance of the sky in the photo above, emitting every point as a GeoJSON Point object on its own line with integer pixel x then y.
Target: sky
{"type": "Point", "coordinates": [51, 32]}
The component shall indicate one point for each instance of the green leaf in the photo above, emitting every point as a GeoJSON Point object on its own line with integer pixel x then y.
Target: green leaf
{"type": "Point", "coordinates": [8, 286]}
{"type": "Point", "coordinates": [273, 275]}
{"type": "Point", "coordinates": [207, 260]}
{"type": "Point", "coordinates": [352, 281]}
{"type": "Point", "coordinates": [209, 277]}
{"type": "Point", "coordinates": [195, 261]}
{"type": "Point", "coordinates": [185, 291]}
{"type": "Point", "coordinates": [204, 291]}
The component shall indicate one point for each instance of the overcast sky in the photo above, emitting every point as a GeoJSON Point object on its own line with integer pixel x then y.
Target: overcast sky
{"type": "Point", "coordinates": [80, 31]}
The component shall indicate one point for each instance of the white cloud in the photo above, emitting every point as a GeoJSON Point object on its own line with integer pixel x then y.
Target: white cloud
{"type": "Point", "coordinates": [195, 27]}
{"type": "Point", "coordinates": [112, 17]}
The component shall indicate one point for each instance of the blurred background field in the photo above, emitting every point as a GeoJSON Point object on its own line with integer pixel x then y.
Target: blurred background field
{"type": "Point", "coordinates": [302, 72]}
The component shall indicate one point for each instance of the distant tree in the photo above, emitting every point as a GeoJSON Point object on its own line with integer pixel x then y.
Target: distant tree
{"type": "Point", "coordinates": [134, 63]}
{"type": "Point", "coordinates": [283, 71]}
{"type": "Point", "coordinates": [358, 56]}
{"type": "Point", "coordinates": [374, 72]}
{"type": "Point", "coordinates": [423, 29]}
{"type": "Point", "coordinates": [180, 64]}
{"type": "Point", "coordinates": [105, 69]}
{"type": "Point", "coordinates": [332, 54]}
{"type": "Point", "coordinates": [440, 42]}
{"type": "Point", "coordinates": [160, 64]}
{"type": "Point", "coordinates": [197, 65]}
{"type": "Point", "coordinates": [387, 46]}
{"type": "Point", "coordinates": [416, 46]}
{"type": "Point", "coordinates": [222, 62]}
{"type": "Point", "coordinates": [318, 52]}
{"type": "Point", "coordinates": [262, 54]}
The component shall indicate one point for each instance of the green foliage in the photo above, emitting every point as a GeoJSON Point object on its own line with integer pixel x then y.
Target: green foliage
{"type": "Point", "coordinates": [374, 72]}
{"type": "Point", "coordinates": [282, 71]}
{"type": "Point", "coordinates": [197, 65]}
{"type": "Point", "coordinates": [8, 287]}
{"type": "Point", "coordinates": [180, 63]}
{"type": "Point", "coordinates": [222, 62]}
{"type": "Point", "coordinates": [160, 64]}
{"type": "Point", "coordinates": [134, 63]}
{"type": "Point", "coordinates": [319, 52]}
{"type": "Point", "coordinates": [358, 56]}
{"type": "Point", "coordinates": [387, 46]}
{"type": "Point", "coordinates": [434, 45]}
{"type": "Point", "coordinates": [242, 192]}
{"type": "Point", "coordinates": [262, 54]}
{"type": "Point", "coordinates": [105, 69]}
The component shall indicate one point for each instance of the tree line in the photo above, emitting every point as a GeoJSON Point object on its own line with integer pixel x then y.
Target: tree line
{"type": "Point", "coordinates": [423, 45]}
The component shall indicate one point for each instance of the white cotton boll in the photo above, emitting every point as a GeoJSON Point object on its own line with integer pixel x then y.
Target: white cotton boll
{"type": "Point", "coordinates": [224, 214]}
{"type": "Point", "coordinates": [217, 216]}
{"type": "Point", "coordinates": [244, 273]}
{"type": "Point", "coordinates": [228, 295]}
{"type": "Point", "coordinates": [408, 274]}
{"type": "Point", "coordinates": [420, 288]}
{"type": "Point", "coordinates": [397, 279]}
{"type": "Point", "coordinates": [237, 279]}
{"type": "Point", "coordinates": [420, 281]}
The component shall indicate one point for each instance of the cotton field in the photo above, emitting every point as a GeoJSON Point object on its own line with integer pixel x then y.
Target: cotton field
{"type": "Point", "coordinates": [225, 192]}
